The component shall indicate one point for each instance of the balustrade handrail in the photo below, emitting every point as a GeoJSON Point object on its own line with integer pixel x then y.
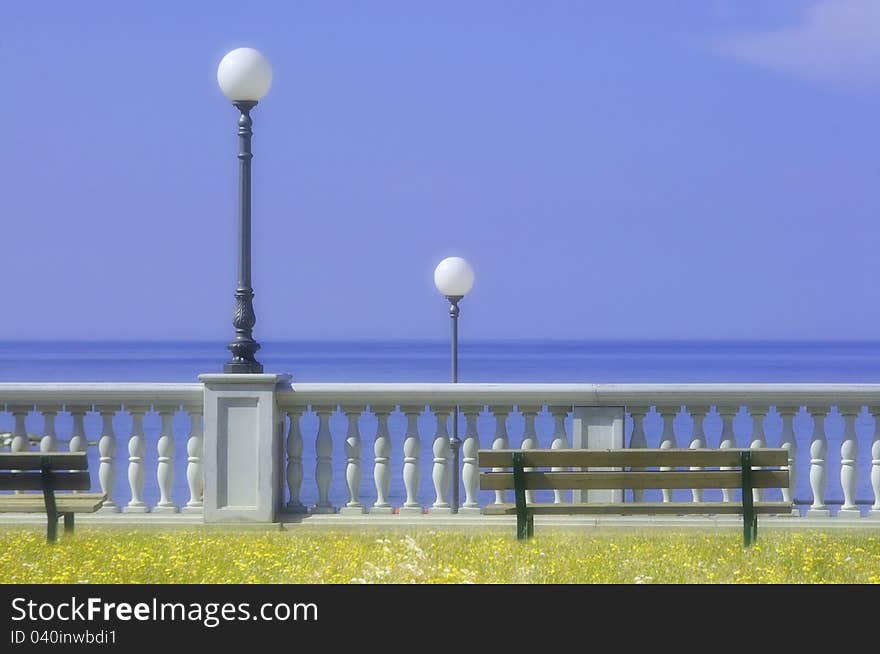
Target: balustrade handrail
{"type": "Point", "coordinates": [102, 393]}
{"type": "Point", "coordinates": [638, 394]}
{"type": "Point", "coordinates": [304, 394]}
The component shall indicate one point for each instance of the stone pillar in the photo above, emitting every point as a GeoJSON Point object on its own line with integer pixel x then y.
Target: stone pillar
{"type": "Point", "coordinates": [598, 428]}
{"type": "Point", "coordinates": [242, 447]}
{"type": "Point", "coordinates": [848, 458]}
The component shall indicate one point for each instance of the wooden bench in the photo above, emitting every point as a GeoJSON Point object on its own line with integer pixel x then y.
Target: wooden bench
{"type": "Point", "coordinates": [636, 469]}
{"type": "Point", "coordinates": [32, 471]}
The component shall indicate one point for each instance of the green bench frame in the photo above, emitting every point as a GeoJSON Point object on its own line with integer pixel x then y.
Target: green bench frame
{"type": "Point", "coordinates": [48, 472]}
{"type": "Point", "coordinates": [746, 469]}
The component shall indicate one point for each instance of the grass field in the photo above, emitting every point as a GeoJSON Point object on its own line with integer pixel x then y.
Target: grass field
{"type": "Point", "coordinates": [102, 555]}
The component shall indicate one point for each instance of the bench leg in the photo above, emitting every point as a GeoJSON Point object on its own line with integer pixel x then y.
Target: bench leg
{"type": "Point", "coordinates": [530, 526]}
{"type": "Point", "coordinates": [51, 528]}
{"type": "Point", "coordinates": [750, 529]}
{"type": "Point", "coordinates": [522, 525]}
{"type": "Point", "coordinates": [68, 523]}
{"type": "Point", "coordinates": [750, 518]}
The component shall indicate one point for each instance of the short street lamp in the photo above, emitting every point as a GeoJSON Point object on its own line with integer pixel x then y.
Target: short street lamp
{"type": "Point", "coordinates": [454, 278]}
{"type": "Point", "coordinates": [244, 76]}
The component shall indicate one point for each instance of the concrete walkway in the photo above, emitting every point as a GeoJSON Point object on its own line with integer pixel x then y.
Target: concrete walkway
{"type": "Point", "coordinates": [463, 521]}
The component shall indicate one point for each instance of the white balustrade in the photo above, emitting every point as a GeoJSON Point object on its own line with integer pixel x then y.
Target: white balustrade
{"type": "Point", "coordinates": [440, 470]}
{"type": "Point", "coordinates": [728, 441]}
{"type": "Point", "coordinates": [136, 473]}
{"type": "Point", "coordinates": [294, 462]}
{"type": "Point", "coordinates": [875, 470]}
{"type": "Point", "coordinates": [638, 441]}
{"type": "Point", "coordinates": [20, 442]}
{"type": "Point", "coordinates": [195, 476]}
{"type": "Point", "coordinates": [698, 442]}
{"type": "Point", "coordinates": [758, 440]}
{"type": "Point", "coordinates": [353, 463]}
{"type": "Point", "coordinates": [529, 438]}
{"type": "Point", "coordinates": [787, 441]}
{"type": "Point", "coordinates": [49, 441]}
{"type": "Point", "coordinates": [165, 472]}
{"type": "Point", "coordinates": [382, 467]}
{"type": "Point", "coordinates": [49, 400]}
{"type": "Point", "coordinates": [78, 442]}
{"type": "Point", "coordinates": [560, 442]}
{"type": "Point", "coordinates": [323, 465]}
{"type": "Point", "coordinates": [818, 448]}
{"type": "Point", "coordinates": [107, 400]}
{"type": "Point", "coordinates": [411, 447]}
{"type": "Point", "coordinates": [470, 471]}
{"type": "Point", "coordinates": [667, 440]}
{"type": "Point", "coordinates": [500, 441]}
{"type": "Point", "coordinates": [848, 455]}
{"type": "Point", "coordinates": [107, 450]}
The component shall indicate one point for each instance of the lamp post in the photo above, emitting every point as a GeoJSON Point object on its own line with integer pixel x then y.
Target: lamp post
{"type": "Point", "coordinates": [454, 278]}
{"type": "Point", "coordinates": [244, 76]}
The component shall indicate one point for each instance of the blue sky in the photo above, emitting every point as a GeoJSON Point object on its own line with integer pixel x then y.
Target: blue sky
{"type": "Point", "coordinates": [644, 170]}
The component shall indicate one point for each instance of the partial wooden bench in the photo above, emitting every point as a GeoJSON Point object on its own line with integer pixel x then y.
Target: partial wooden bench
{"type": "Point", "coordinates": [730, 468]}
{"type": "Point", "coordinates": [36, 471]}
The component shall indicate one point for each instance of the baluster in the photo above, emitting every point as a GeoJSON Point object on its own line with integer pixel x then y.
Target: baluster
{"type": "Point", "coordinates": [381, 468]}
{"type": "Point", "coordinates": [165, 470]}
{"type": "Point", "coordinates": [848, 455]}
{"type": "Point", "coordinates": [353, 463]}
{"type": "Point", "coordinates": [470, 472]}
{"type": "Point", "coordinates": [440, 472]}
{"type": "Point", "coordinates": [875, 471]}
{"type": "Point", "coordinates": [106, 450]}
{"type": "Point", "coordinates": [728, 441]}
{"type": "Point", "coordinates": [500, 440]}
{"type": "Point", "coordinates": [295, 462]}
{"type": "Point", "coordinates": [136, 468]}
{"type": "Point", "coordinates": [818, 447]}
{"type": "Point", "coordinates": [560, 442]}
{"type": "Point", "coordinates": [49, 442]}
{"type": "Point", "coordinates": [20, 442]}
{"type": "Point", "coordinates": [758, 440]}
{"type": "Point", "coordinates": [698, 442]}
{"type": "Point", "coordinates": [787, 441]}
{"type": "Point", "coordinates": [529, 439]}
{"type": "Point", "coordinates": [195, 477]}
{"type": "Point", "coordinates": [78, 442]}
{"type": "Point", "coordinates": [323, 466]}
{"type": "Point", "coordinates": [411, 447]}
{"type": "Point", "coordinates": [638, 441]}
{"type": "Point", "coordinates": [667, 440]}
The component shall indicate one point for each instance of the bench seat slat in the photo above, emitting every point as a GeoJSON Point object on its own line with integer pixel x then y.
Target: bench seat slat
{"type": "Point", "coordinates": [66, 503]}
{"type": "Point", "coordinates": [33, 460]}
{"type": "Point", "coordinates": [61, 480]}
{"type": "Point", "coordinates": [541, 480]}
{"type": "Point", "coordinates": [640, 508]}
{"type": "Point", "coordinates": [762, 457]}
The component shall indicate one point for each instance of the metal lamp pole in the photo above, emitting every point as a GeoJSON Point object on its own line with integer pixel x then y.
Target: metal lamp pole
{"type": "Point", "coordinates": [244, 76]}
{"type": "Point", "coordinates": [454, 278]}
{"type": "Point", "coordinates": [454, 441]}
{"type": "Point", "coordinates": [244, 346]}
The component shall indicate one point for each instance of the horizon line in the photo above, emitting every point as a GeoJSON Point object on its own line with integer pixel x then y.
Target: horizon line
{"type": "Point", "coordinates": [480, 341]}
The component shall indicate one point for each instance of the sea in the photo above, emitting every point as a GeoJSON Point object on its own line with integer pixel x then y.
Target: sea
{"type": "Point", "coordinates": [424, 361]}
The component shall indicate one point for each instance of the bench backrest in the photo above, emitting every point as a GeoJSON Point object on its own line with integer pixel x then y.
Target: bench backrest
{"type": "Point", "coordinates": [33, 470]}
{"type": "Point", "coordinates": [709, 474]}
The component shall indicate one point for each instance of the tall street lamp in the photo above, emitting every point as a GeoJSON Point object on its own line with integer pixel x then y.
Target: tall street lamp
{"type": "Point", "coordinates": [244, 76]}
{"type": "Point", "coordinates": [454, 278]}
